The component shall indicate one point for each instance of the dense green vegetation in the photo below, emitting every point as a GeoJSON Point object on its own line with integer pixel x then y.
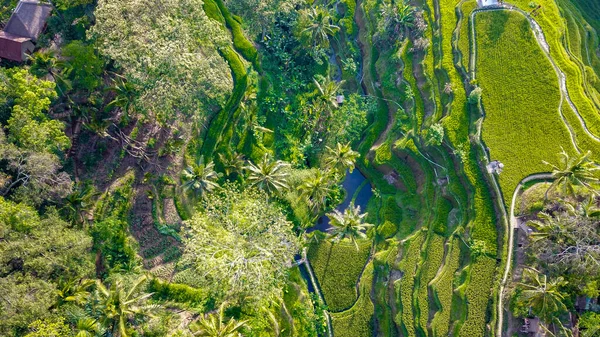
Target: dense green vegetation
{"type": "Point", "coordinates": [298, 168]}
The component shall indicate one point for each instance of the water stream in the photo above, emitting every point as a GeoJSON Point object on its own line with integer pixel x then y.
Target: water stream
{"type": "Point", "coordinates": [351, 185]}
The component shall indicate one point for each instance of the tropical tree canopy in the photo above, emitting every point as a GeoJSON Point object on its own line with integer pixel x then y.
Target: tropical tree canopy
{"type": "Point", "coordinates": [543, 296]}
{"type": "Point", "coordinates": [567, 243]}
{"type": "Point", "coordinates": [118, 304]}
{"type": "Point", "coordinates": [315, 189]}
{"type": "Point", "coordinates": [215, 325]}
{"type": "Point", "coordinates": [315, 27]}
{"type": "Point", "coordinates": [200, 177]}
{"type": "Point", "coordinates": [240, 244]}
{"type": "Point", "coordinates": [168, 48]}
{"type": "Point", "coordinates": [340, 158]}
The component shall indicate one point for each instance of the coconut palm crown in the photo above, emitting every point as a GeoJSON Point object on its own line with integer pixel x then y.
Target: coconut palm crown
{"type": "Point", "coordinates": [340, 158]}
{"type": "Point", "coordinates": [574, 171]}
{"type": "Point", "coordinates": [200, 177]}
{"type": "Point", "coordinates": [348, 225]}
{"type": "Point", "coordinates": [269, 175]}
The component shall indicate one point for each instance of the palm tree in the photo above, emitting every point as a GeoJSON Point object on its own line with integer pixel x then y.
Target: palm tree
{"type": "Point", "coordinates": [118, 305]}
{"type": "Point", "coordinates": [577, 171]}
{"type": "Point", "coordinates": [215, 325]}
{"type": "Point", "coordinates": [547, 226]}
{"type": "Point", "coordinates": [327, 90]}
{"type": "Point", "coordinates": [200, 177]}
{"type": "Point", "coordinates": [45, 62]}
{"type": "Point", "coordinates": [88, 327]}
{"type": "Point", "coordinates": [348, 225]}
{"type": "Point", "coordinates": [543, 297]}
{"type": "Point", "coordinates": [316, 26]}
{"type": "Point", "coordinates": [77, 204]}
{"type": "Point", "coordinates": [74, 291]}
{"type": "Point", "coordinates": [397, 18]}
{"type": "Point", "coordinates": [269, 175]}
{"type": "Point", "coordinates": [315, 190]}
{"type": "Point", "coordinates": [125, 96]}
{"type": "Point", "coordinates": [586, 208]}
{"type": "Point", "coordinates": [340, 158]}
{"type": "Point", "coordinates": [232, 163]}
{"type": "Point", "coordinates": [405, 14]}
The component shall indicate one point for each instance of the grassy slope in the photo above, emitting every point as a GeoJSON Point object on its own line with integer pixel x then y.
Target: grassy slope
{"type": "Point", "coordinates": [521, 98]}
{"type": "Point", "coordinates": [356, 321]}
{"type": "Point", "coordinates": [337, 268]}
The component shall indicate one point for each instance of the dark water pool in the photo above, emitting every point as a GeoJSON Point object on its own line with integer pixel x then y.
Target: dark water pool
{"type": "Point", "coordinates": [352, 182]}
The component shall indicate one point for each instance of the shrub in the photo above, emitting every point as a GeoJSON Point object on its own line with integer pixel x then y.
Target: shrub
{"type": "Point", "coordinates": [180, 293]}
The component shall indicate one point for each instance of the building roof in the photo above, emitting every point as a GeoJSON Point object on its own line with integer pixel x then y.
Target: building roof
{"type": "Point", "coordinates": [11, 46]}
{"type": "Point", "coordinates": [28, 19]}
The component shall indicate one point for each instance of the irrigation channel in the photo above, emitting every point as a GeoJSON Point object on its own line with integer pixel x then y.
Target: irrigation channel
{"type": "Point", "coordinates": [513, 222]}
{"type": "Point", "coordinates": [358, 192]}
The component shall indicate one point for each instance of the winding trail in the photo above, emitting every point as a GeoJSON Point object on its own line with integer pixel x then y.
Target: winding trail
{"type": "Point", "coordinates": [541, 39]}
{"type": "Point", "coordinates": [512, 220]}
{"type": "Point", "coordinates": [511, 239]}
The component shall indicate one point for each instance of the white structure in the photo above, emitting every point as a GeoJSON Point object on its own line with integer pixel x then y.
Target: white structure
{"type": "Point", "coordinates": [495, 167]}
{"type": "Point", "coordinates": [485, 3]}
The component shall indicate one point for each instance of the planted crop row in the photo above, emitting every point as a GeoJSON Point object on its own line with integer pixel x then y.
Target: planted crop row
{"type": "Point", "coordinates": [337, 268]}
{"type": "Point", "coordinates": [552, 24]}
{"type": "Point", "coordinates": [383, 311]}
{"type": "Point", "coordinates": [429, 62]}
{"type": "Point", "coordinates": [356, 321]}
{"type": "Point", "coordinates": [480, 281]}
{"type": "Point", "coordinates": [442, 287]}
{"type": "Point", "coordinates": [405, 286]}
{"type": "Point", "coordinates": [457, 127]}
{"type": "Point", "coordinates": [464, 34]}
{"type": "Point", "coordinates": [521, 97]}
{"type": "Point", "coordinates": [409, 77]}
{"type": "Point", "coordinates": [430, 266]}
{"type": "Point", "coordinates": [457, 121]}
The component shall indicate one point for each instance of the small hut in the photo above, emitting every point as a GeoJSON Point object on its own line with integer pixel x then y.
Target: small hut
{"type": "Point", "coordinates": [495, 167]}
{"type": "Point", "coordinates": [25, 25]}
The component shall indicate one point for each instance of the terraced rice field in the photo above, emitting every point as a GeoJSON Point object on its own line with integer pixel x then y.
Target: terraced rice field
{"type": "Point", "coordinates": [521, 97]}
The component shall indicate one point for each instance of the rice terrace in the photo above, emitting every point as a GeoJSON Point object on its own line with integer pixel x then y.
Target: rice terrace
{"type": "Point", "coordinates": [309, 168]}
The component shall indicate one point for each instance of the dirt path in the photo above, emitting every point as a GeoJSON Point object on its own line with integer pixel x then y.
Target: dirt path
{"type": "Point", "coordinates": [511, 236]}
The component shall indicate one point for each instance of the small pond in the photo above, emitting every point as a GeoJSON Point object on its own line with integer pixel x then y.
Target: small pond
{"type": "Point", "coordinates": [358, 188]}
